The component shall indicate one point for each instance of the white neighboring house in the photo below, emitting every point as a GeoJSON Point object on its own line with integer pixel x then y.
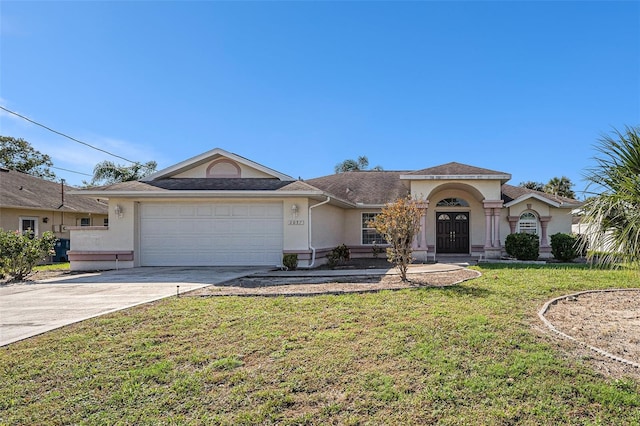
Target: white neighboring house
{"type": "Point", "coordinates": [219, 209]}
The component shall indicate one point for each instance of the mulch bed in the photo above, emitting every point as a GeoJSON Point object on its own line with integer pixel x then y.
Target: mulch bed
{"type": "Point", "coordinates": [304, 286]}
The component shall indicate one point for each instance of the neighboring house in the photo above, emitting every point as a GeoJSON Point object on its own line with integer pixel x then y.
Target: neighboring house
{"type": "Point", "coordinates": [222, 209]}
{"type": "Point", "coordinates": [28, 203]}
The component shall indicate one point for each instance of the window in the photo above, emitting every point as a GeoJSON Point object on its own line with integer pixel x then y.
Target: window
{"type": "Point", "coordinates": [85, 221]}
{"type": "Point", "coordinates": [30, 225]}
{"type": "Point", "coordinates": [452, 202]}
{"type": "Point", "coordinates": [528, 223]}
{"type": "Point", "coordinates": [370, 235]}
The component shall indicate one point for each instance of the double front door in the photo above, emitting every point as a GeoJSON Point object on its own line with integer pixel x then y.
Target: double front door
{"type": "Point", "coordinates": [452, 232]}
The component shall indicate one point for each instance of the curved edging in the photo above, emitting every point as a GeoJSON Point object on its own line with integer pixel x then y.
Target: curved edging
{"type": "Point", "coordinates": [604, 353]}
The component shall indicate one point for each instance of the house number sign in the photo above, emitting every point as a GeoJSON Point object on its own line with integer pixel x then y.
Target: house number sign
{"type": "Point", "coordinates": [296, 222]}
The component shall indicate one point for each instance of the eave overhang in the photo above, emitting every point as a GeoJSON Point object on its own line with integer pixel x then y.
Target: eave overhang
{"type": "Point", "coordinates": [503, 178]}
{"type": "Point", "coordinates": [544, 200]}
{"type": "Point", "coordinates": [193, 194]}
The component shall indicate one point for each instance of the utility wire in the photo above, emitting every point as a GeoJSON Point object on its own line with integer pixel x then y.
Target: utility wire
{"type": "Point", "coordinates": [71, 171]}
{"type": "Point", "coordinates": [66, 136]}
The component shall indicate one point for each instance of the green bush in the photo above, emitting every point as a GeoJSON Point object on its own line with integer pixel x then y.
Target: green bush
{"type": "Point", "coordinates": [290, 261]}
{"type": "Point", "coordinates": [523, 246]}
{"type": "Point", "coordinates": [338, 255]}
{"type": "Point", "coordinates": [20, 252]}
{"type": "Point", "coordinates": [564, 247]}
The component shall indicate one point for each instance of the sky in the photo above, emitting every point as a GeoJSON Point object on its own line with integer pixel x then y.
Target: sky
{"type": "Point", "coordinates": [523, 87]}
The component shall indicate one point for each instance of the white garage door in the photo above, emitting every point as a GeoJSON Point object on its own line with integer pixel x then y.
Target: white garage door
{"type": "Point", "coordinates": [211, 234]}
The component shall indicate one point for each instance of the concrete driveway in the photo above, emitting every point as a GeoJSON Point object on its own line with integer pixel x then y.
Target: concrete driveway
{"type": "Point", "coordinates": [27, 310]}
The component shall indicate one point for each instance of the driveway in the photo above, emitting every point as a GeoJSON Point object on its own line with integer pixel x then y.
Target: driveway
{"type": "Point", "coordinates": [27, 310]}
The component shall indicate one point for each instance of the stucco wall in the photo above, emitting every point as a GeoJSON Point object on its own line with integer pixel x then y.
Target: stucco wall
{"type": "Point", "coordinates": [201, 172]}
{"type": "Point", "coordinates": [10, 220]}
{"type": "Point", "coordinates": [296, 227]}
{"type": "Point", "coordinates": [480, 189]}
{"type": "Point", "coordinates": [327, 227]}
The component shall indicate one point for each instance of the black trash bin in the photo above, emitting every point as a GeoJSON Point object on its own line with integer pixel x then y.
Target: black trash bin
{"type": "Point", "coordinates": [61, 247]}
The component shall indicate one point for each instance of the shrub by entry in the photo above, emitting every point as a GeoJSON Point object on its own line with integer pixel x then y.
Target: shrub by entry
{"type": "Point", "coordinates": [523, 246]}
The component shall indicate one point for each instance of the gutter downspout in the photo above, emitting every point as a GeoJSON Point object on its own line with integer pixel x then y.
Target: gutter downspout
{"type": "Point", "coordinates": [313, 249]}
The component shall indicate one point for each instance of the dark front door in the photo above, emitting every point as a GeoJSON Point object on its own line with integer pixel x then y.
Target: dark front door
{"type": "Point", "coordinates": [452, 232]}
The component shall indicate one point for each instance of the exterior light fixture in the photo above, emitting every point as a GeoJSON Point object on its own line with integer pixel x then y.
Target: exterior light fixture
{"type": "Point", "coordinates": [118, 211]}
{"type": "Point", "coordinates": [294, 210]}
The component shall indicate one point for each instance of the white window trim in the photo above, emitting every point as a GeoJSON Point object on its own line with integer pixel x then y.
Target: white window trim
{"type": "Point", "coordinates": [36, 221]}
{"type": "Point", "coordinates": [537, 222]}
{"type": "Point", "coordinates": [364, 228]}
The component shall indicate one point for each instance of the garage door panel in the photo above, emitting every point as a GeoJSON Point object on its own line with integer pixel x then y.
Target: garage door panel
{"type": "Point", "coordinates": [211, 234]}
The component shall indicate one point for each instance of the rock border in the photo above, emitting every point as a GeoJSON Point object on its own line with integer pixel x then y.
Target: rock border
{"type": "Point", "coordinates": [551, 327]}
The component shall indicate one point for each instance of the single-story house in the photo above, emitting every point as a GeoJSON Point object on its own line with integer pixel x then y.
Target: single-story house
{"type": "Point", "coordinates": [29, 203]}
{"type": "Point", "coordinates": [220, 208]}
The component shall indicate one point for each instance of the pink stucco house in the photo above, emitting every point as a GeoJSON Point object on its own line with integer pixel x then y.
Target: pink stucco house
{"type": "Point", "coordinates": [219, 208]}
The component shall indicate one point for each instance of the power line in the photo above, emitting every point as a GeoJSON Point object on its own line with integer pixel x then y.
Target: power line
{"type": "Point", "coordinates": [66, 136]}
{"type": "Point", "coordinates": [71, 171]}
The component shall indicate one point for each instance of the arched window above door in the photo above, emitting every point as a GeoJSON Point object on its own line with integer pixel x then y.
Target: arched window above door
{"type": "Point", "coordinates": [452, 202]}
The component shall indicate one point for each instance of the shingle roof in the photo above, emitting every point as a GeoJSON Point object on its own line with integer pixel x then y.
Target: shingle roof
{"type": "Point", "coordinates": [510, 193]}
{"type": "Point", "coordinates": [20, 190]}
{"type": "Point", "coordinates": [198, 184]}
{"type": "Point", "coordinates": [455, 169]}
{"type": "Point", "coordinates": [375, 188]}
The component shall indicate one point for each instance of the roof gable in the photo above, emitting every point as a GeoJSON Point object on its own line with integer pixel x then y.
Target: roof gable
{"type": "Point", "coordinates": [456, 171]}
{"type": "Point", "coordinates": [20, 190]}
{"type": "Point", "coordinates": [217, 164]}
{"type": "Point", "coordinates": [512, 195]}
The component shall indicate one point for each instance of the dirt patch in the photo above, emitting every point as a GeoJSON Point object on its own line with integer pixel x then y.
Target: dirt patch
{"type": "Point", "coordinates": [606, 320]}
{"type": "Point", "coordinates": [297, 286]}
{"type": "Point", "coordinates": [40, 275]}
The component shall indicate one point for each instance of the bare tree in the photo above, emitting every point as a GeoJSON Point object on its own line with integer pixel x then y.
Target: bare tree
{"type": "Point", "coordinates": [399, 222]}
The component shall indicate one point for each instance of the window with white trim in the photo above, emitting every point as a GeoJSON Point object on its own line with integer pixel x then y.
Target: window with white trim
{"type": "Point", "coordinates": [28, 224]}
{"type": "Point", "coordinates": [85, 221]}
{"type": "Point", "coordinates": [369, 235]}
{"type": "Point", "coordinates": [528, 223]}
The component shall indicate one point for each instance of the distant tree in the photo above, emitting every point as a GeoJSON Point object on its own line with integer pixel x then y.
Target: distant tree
{"type": "Point", "coordinates": [18, 154]}
{"type": "Point", "coordinates": [611, 213]}
{"type": "Point", "coordinates": [355, 165]}
{"type": "Point", "coordinates": [399, 222]}
{"type": "Point", "coordinates": [536, 186]}
{"type": "Point", "coordinates": [560, 186]}
{"type": "Point", "coordinates": [108, 172]}
{"type": "Point", "coordinates": [556, 186]}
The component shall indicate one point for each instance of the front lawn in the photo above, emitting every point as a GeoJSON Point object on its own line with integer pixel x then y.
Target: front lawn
{"type": "Point", "coordinates": [467, 354]}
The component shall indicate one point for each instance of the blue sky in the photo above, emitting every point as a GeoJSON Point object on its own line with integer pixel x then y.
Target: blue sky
{"type": "Point", "coordinates": [521, 87]}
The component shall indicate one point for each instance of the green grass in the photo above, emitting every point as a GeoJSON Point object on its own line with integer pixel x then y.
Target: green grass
{"type": "Point", "coordinates": [467, 354]}
{"type": "Point", "coordinates": [64, 266]}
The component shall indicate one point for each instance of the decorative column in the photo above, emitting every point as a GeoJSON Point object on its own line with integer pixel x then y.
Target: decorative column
{"type": "Point", "coordinates": [513, 222]}
{"type": "Point", "coordinates": [544, 221]}
{"type": "Point", "coordinates": [487, 234]}
{"type": "Point", "coordinates": [496, 228]}
{"type": "Point", "coordinates": [492, 247]}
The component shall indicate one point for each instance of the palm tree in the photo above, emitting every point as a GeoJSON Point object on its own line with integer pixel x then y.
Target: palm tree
{"type": "Point", "coordinates": [355, 165]}
{"type": "Point", "coordinates": [536, 186]}
{"type": "Point", "coordinates": [612, 212]}
{"type": "Point", "coordinates": [560, 186]}
{"type": "Point", "coordinates": [108, 172]}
